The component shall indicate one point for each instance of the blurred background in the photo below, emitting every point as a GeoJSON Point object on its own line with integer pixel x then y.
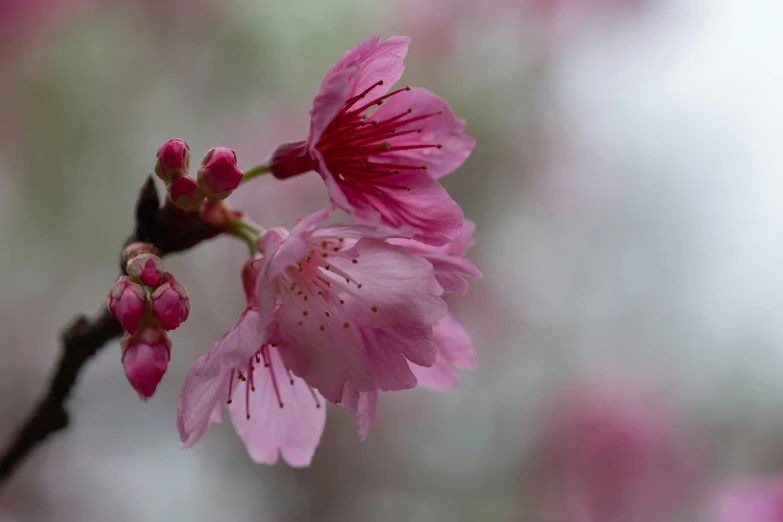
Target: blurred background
{"type": "Point", "coordinates": [627, 191]}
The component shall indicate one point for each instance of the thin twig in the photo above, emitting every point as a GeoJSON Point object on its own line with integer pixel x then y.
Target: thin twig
{"type": "Point", "coordinates": [170, 230]}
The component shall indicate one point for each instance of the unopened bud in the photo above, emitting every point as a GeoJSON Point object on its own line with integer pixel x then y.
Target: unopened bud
{"type": "Point", "coordinates": [170, 303]}
{"type": "Point", "coordinates": [145, 358]}
{"type": "Point", "coordinates": [173, 160]}
{"type": "Point", "coordinates": [127, 302]}
{"type": "Point", "coordinates": [219, 174]}
{"type": "Point", "coordinates": [147, 268]}
{"type": "Point", "coordinates": [185, 193]}
{"type": "Point", "coordinates": [135, 249]}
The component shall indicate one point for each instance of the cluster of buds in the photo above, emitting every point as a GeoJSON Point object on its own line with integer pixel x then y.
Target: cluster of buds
{"type": "Point", "coordinates": [216, 179]}
{"type": "Point", "coordinates": [147, 302]}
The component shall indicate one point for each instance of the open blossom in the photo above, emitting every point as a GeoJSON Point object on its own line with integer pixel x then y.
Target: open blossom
{"type": "Point", "coordinates": [382, 167]}
{"type": "Point", "coordinates": [352, 312]}
{"type": "Point", "coordinates": [747, 499]}
{"type": "Point", "coordinates": [274, 412]}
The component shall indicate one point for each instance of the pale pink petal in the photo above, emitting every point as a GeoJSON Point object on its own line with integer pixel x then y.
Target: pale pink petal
{"type": "Point", "coordinates": [442, 128]}
{"type": "Point", "coordinates": [326, 359]}
{"type": "Point", "coordinates": [454, 349]}
{"type": "Point", "coordinates": [205, 387]}
{"type": "Point", "coordinates": [377, 61]}
{"type": "Point", "coordinates": [447, 260]}
{"type": "Point", "coordinates": [365, 416]}
{"type": "Point", "coordinates": [244, 339]}
{"type": "Point", "coordinates": [396, 287]}
{"type": "Point", "coordinates": [390, 349]}
{"type": "Point", "coordinates": [293, 430]}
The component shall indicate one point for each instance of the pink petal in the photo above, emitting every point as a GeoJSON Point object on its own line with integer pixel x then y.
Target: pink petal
{"type": "Point", "coordinates": [365, 416]}
{"type": "Point", "coordinates": [426, 212]}
{"type": "Point", "coordinates": [326, 359]}
{"type": "Point", "coordinates": [364, 405]}
{"type": "Point", "coordinates": [390, 349]}
{"type": "Point", "coordinates": [331, 97]}
{"type": "Point", "coordinates": [292, 431]}
{"type": "Point", "coordinates": [206, 385]}
{"type": "Point", "coordinates": [447, 260]}
{"type": "Point", "coordinates": [377, 61]}
{"type": "Point", "coordinates": [444, 129]}
{"type": "Point", "coordinates": [397, 287]}
{"type": "Point", "coordinates": [454, 349]}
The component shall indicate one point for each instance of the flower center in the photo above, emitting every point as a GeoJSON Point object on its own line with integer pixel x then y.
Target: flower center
{"type": "Point", "coordinates": [354, 147]}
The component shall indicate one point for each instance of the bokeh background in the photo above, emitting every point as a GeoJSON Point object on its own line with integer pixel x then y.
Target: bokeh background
{"type": "Point", "coordinates": [628, 193]}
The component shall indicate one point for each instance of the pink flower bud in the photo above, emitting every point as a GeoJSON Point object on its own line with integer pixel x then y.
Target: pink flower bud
{"type": "Point", "coordinates": [185, 193]}
{"type": "Point", "coordinates": [145, 358]}
{"type": "Point", "coordinates": [127, 302]}
{"type": "Point", "coordinates": [170, 303]}
{"type": "Point", "coordinates": [173, 160]}
{"type": "Point", "coordinates": [134, 249]}
{"type": "Point", "coordinates": [219, 173]}
{"type": "Point", "coordinates": [147, 268]}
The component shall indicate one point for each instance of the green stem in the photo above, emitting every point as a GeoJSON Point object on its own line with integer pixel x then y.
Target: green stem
{"type": "Point", "coordinates": [254, 172]}
{"type": "Point", "coordinates": [244, 236]}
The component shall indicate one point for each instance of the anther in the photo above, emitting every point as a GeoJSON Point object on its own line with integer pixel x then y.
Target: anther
{"type": "Point", "coordinates": [299, 292]}
{"type": "Point", "coordinates": [304, 313]}
{"type": "Point", "coordinates": [321, 328]}
{"type": "Point", "coordinates": [247, 416]}
{"type": "Point", "coordinates": [342, 301]}
{"type": "Point", "coordinates": [374, 308]}
{"type": "Point", "coordinates": [359, 285]}
{"type": "Point", "coordinates": [346, 325]}
{"type": "Point", "coordinates": [354, 261]}
{"type": "Point", "coordinates": [229, 401]}
{"type": "Point", "coordinates": [305, 298]}
{"type": "Point", "coordinates": [440, 146]}
{"type": "Point", "coordinates": [326, 314]}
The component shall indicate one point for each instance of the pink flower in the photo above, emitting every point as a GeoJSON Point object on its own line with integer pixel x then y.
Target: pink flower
{"type": "Point", "coordinates": [382, 168]}
{"type": "Point", "coordinates": [617, 453]}
{"type": "Point", "coordinates": [352, 311]}
{"type": "Point", "coordinates": [170, 303]}
{"type": "Point", "coordinates": [147, 268]}
{"type": "Point", "coordinates": [127, 302]}
{"type": "Point", "coordinates": [219, 174]}
{"type": "Point", "coordinates": [748, 499]}
{"type": "Point", "coordinates": [273, 412]}
{"type": "Point", "coordinates": [173, 160]}
{"type": "Point", "coordinates": [145, 358]}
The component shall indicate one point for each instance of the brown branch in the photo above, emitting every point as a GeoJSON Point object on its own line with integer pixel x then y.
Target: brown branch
{"type": "Point", "coordinates": [170, 230]}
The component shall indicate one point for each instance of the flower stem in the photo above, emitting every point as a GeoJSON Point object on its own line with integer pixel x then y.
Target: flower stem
{"type": "Point", "coordinates": [244, 236]}
{"type": "Point", "coordinates": [254, 172]}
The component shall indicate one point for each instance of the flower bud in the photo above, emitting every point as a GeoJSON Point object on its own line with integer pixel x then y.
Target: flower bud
{"type": "Point", "coordinates": [173, 160]}
{"type": "Point", "coordinates": [185, 193]}
{"type": "Point", "coordinates": [145, 358]}
{"type": "Point", "coordinates": [170, 303]}
{"type": "Point", "coordinates": [134, 249]}
{"type": "Point", "coordinates": [219, 174]}
{"type": "Point", "coordinates": [127, 302]}
{"type": "Point", "coordinates": [147, 268]}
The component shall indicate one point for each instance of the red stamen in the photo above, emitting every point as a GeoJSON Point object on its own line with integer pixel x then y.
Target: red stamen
{"type": "Point", "coordinates": [315, 397]}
